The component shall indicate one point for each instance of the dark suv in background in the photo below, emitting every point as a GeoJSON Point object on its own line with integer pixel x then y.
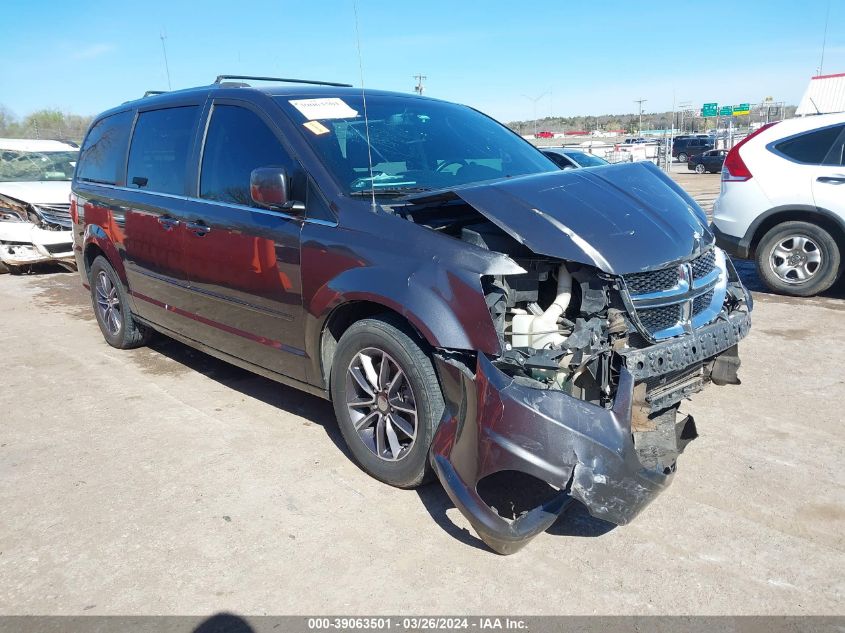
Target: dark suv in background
{"type": "Point", "coordinates": [471, 310]}
{"type": "Point", "coordinates": [683, 148]}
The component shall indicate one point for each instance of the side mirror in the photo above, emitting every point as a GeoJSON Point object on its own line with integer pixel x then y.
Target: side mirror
{"type": "Point", "coordinates": [268, 186]}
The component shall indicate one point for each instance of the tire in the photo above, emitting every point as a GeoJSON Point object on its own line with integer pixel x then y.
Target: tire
{"type": "Point", "coordinates": [682, 157]}
{"type": "Point", "coordinates": [111, 308]}
{"type": "Point", "coordinates": [798, 258]}
{"type": "Point", "coordinates": [386, 339]}
{"type": "Point", "coordinates": [3, 268]}
{"type": "Point", "coordinates": [700, 169]}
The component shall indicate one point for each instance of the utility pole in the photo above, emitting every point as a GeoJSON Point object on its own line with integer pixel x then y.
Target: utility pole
{"type": "Point", "coordinates": [685, 107]}
{"type": "Point", "coordinates": [641, 102]}
{"type": "Point", "coordinates": [163, 37]}
{"type": "Point", "coordinates": [535, 100]}
{"type": "Point", "coordinates": [419, 87]}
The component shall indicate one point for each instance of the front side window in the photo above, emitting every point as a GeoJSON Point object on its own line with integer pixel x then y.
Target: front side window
{"type": "Point", "coordinates": [415, 144]}
{"type": "Point", "coordinates": [819, 147]}
{"type": "Point", "coordinates": [158, 155]}
{"type": "Point", "coordinates": [237, 142]}
{"type": "Point", "coordinates": [103, 154]}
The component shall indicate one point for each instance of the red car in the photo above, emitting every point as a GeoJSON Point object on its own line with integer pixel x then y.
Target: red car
{"type": "Point", "coordinates": [544, 135]}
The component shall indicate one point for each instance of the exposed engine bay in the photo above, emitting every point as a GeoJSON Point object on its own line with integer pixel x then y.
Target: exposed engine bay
{"type": "Point", "coordinates": [568, 326]}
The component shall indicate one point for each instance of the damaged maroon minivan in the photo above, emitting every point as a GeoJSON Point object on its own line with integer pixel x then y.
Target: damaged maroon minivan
{"type": "Point", "coordinates": [471, 311]}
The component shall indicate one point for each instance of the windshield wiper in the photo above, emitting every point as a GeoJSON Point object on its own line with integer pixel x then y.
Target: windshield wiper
{"type": "Point", "coordinates": [388, 191]}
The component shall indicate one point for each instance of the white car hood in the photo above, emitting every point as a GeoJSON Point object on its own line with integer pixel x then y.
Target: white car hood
{"type": "Point", "coordinates": [44, 192]}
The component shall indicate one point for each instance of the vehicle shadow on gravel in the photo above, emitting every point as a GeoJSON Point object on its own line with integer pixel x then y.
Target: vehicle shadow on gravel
{"type": "Point", "coordinates": [315, 410]}
{"type": "Point", "coordinates": [575, 521]}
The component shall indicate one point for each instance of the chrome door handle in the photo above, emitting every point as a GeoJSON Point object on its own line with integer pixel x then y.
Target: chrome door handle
{"type": "Point", "coordinates": [168, 223]}
{"type": "Point", "coordinates": [198, 228]}
{"type": "Point", "coordinates": [832, 179]}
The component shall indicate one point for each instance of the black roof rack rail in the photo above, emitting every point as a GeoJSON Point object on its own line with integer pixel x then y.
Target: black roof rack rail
{"type": "Point", "coordinates": [150, 93]}
{"type": "Point", "coordinates": [221, 78]}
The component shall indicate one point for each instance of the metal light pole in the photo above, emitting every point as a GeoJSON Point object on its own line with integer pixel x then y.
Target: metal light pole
{"type": "Point", "coordinates": [535, 100]}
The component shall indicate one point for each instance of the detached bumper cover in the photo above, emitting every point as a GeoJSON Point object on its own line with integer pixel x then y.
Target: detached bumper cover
{"type": "Point", "coordinates": [492, 424]}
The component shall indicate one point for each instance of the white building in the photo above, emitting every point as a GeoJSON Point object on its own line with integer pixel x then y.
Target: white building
{"type": "Point", "coordinates": [825, 94]}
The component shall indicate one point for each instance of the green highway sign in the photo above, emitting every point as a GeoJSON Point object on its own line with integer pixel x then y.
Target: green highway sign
{"type": "Point", "coordinates": [709, 109]}
{"type": "Point", "coordinates": [742, 108]}
{"type": "Point", "coordinates": [726, 111]}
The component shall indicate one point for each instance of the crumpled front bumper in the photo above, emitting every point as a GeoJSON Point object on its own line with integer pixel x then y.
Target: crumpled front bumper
{"type": "Point", "coordinates": [23, 243]}
{"type": "Point", "coordinates": [494, 424]}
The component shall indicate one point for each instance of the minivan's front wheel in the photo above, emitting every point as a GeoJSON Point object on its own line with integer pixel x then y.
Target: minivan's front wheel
{"type": "Point", "coordinates": [387, 400]}
{"type": "Point", "coordinates": [682, 158]}
{"type": "Point", "coordinates": [700, 168]}
{"type": "Point", "coordinates": [798, 258]}
{"type": "Point", "coordinates": [111, 307]}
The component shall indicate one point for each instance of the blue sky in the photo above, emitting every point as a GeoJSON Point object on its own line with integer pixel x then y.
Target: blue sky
{"type": "Point", "coordinates": [591, 57]}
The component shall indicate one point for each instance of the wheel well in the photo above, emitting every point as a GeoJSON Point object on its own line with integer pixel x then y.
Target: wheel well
{"type": "Point", "coordinates": [826, 222]}
{"type": "Point", "coordinates": [342, 317]}
{"type": "Point", "coordinates": [92, 251]}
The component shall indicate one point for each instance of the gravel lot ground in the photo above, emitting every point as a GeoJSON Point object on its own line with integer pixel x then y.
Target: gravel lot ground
{"type": "Point", "coordinates": [163, 481]}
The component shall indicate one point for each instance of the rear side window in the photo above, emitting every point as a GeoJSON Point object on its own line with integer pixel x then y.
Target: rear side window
{"type": "Point", "coordinates": [819, 147]}
{"type": "Point", "coordinates": [237, 142]}
{"type": "Point", "coordinates": [159, 152]}
{"type": "Point", "coordinates": [103, 155]}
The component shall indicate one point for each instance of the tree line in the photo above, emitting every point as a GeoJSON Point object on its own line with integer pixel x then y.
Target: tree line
{"type": "Point", "coordinates": [688, 121]}
{"type": "Point", "coordinates": [44, 124]}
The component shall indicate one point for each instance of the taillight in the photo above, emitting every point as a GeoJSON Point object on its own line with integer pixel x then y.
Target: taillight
{"type": "Point", "coordinates": [74, 213]}
{"type": "Point", "coordinates": [734, 168]}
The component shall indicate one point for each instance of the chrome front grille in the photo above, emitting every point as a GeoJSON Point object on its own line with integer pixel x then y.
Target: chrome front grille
{"type": "Point", "coordinates": [677, 299]}
{"type": "Point", "coordinates": [56, 214]}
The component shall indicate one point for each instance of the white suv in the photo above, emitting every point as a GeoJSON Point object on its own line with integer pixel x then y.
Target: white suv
{"type": "Point", "coordinates": [783, 203]}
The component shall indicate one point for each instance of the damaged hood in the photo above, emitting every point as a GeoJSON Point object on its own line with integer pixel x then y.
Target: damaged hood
{"type": "Point", "coordinates": [38, 192]}
{"type": "Point", "coordinates": [621, 218]}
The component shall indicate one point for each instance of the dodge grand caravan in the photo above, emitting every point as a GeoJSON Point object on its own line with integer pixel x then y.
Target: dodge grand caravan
{"type": "Point", "coordinates": [471, 311]}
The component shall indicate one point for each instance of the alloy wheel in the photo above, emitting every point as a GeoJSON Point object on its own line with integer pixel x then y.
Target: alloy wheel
{"type": "Point", "coordinates": [381, 404]}
{"type": "Point", "coordinates": [108, 303]}
{"type": "Point", "coordinates": [795, 259]}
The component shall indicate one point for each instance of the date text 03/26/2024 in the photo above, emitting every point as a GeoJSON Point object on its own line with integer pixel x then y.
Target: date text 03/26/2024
{"type": "Point", "coordinates": [415, 623]}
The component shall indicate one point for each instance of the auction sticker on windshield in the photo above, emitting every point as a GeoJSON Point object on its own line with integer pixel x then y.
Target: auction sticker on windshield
{"type": "Point", "coordinates": [330, 108]}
